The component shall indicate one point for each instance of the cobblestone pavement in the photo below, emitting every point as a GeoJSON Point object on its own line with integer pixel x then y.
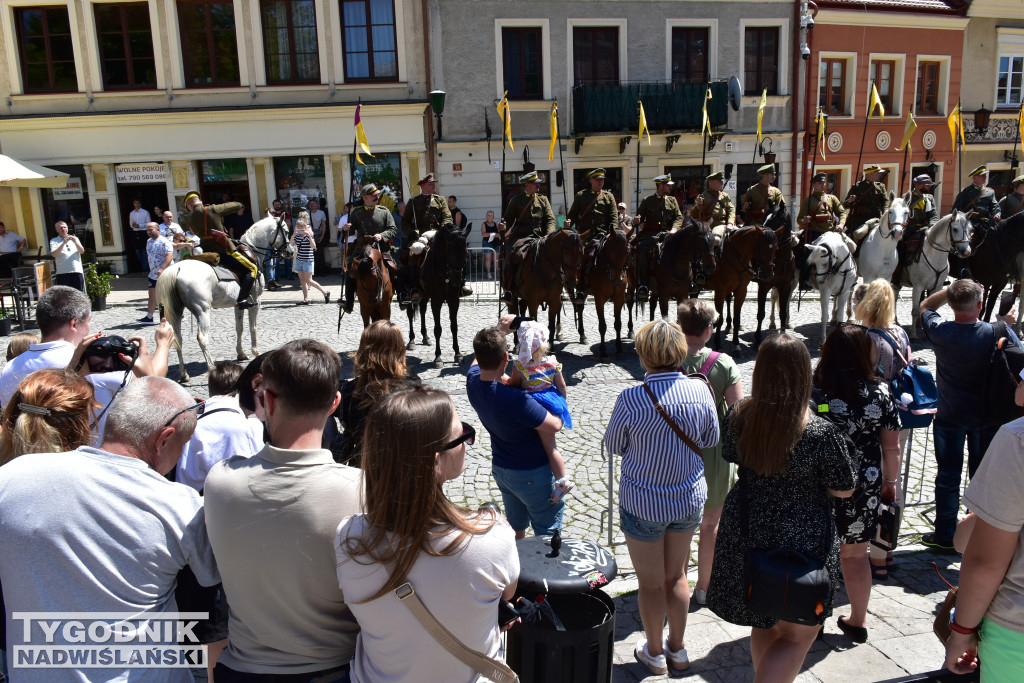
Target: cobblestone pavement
{"type": "Point", "coordinates": [901, 610]}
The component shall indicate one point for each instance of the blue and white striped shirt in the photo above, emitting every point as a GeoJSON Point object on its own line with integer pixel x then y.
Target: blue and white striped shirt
{"type": "Point", "coordinates": [662, 479]}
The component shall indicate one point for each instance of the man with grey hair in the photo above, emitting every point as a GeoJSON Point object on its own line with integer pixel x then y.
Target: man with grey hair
{"type": "Point", "coordinates": [117, 538]}
{"type": "Point", "coordinates": [67, 250]}
{"type": "Point", "coordinates": [963, 349]}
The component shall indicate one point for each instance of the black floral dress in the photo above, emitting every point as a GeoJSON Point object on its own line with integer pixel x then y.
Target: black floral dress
{"type": "Point", "coordinates": [863, 420]}
{"type": "Point", "coordinates": [789, 509]}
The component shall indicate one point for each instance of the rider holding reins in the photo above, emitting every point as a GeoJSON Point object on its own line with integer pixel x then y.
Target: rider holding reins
{"type": "Point", "coordinates": [527, 217]}
{"type": "Point", "coordinates": [594, 215]}
{"type": "Point", "coordinates": [369, 220]}
{"type": "Point", "coordinates": [658, 214]}
{"type": "Point", "coordinates": [207, 223]}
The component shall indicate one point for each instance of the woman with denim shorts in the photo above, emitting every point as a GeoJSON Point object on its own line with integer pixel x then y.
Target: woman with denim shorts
{"type": "Point", "coordinates": [662, 489]}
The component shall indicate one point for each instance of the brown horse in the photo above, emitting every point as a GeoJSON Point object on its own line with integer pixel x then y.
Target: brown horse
{"type": "Point", "coordinates": [551, 263]}
{"type": "Point", "coordinates": [747, 253]}
{"type": "Point", "coordinates": [785, 271]}
{"type": "Point", "coordinates": [373, 282]}
{"type": "Point", "coordinates": [441, 277]}
{"type": "Point", "coordinates": [675, 263]}
{"type": "Point", "coordinates": [607, 282]}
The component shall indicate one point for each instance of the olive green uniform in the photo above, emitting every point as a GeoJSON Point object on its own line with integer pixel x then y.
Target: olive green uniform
{"type": "Point", "coordinates": [424, 212]}
{"type": "Point", "coordinates": [368, 222]}
{"type": "Point", "coordinates": [203, 220]}
{"type": "Point", "coordinates": [527, 216]}
{"type": "Point", "coordinates": [760, 201]}
{"type": "Point", "coordinates": [871, 201]}
{"type": "Point", "coordinates": [717, 209]}
{"type": "Point", "coordinates": [594, 213]}
{"type": "Point", "coordinates": [1010, 205]}
{"type": "Point", "coordinates": [923, 215]}
{"type": "Point", "coordinates": [981, 200]}
{"type": "Point", "coordinates": [825, 211]}
{"type": "Point", "coordinates": [658, 215]}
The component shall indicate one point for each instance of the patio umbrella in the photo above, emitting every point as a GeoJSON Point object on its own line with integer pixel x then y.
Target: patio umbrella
{"type": "Point", "coordinates": [15, 173]}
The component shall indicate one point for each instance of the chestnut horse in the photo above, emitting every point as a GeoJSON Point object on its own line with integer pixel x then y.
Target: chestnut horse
{"type": "Point", "coordinates": [551, 263]}
{"type": "Point", "coordinates": [373, 282]}
{"type": "Point", "coordinates": [747, 254]}
{"type": "Point", "coordinates": [607, 282]}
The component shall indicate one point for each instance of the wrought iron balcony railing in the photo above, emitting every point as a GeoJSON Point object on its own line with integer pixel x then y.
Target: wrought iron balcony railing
{"type": "Point", "coordinates": [668, 106]}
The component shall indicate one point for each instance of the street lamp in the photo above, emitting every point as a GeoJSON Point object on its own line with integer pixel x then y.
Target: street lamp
{"type": "Point", "coordinates": [981, 119]}
{"type": "Point", "coordinates": [437, 105]}
{"type": "Point", "coordinates": [769, 156]}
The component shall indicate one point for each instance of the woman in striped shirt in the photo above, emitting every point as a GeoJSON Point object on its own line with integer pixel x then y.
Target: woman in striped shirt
{"type": "Point", "coordinates": [662, 488]}
{"type": "Point", "coordinates": [305, 245]}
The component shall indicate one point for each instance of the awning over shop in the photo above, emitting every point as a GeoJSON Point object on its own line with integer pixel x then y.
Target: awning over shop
{"type": "Point", "coordinates": [16, 173]}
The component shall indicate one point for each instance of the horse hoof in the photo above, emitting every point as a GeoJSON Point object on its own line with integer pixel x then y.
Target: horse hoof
{"type": "Point", "coordinates": [584, 340]}
{"type": "Point", "coordinates": [242, 356]}
{"type": "Point", "coordinates": [425, 341]}
{"type": "Point", "coordinates": [185, 380]}
{"type": "Point", "coordinates": [458, 358]}
{"type": "Point", "coordinates": [772, 326]}
{"type": "Point", "coordinates": [558, 338]}
{"type": "Point", "coordinates": [787, 326]}
{"type": "Point", "coordinates": [438, 364]}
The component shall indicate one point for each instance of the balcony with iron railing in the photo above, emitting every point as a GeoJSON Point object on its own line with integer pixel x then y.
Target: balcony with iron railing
{"type": "Point", "coordinates": [669, 107]}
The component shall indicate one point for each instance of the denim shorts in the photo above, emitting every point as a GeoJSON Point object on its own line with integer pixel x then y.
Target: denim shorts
{"type": "Point", "coordinates": [527, 498]}
{"type": "Point", "coordinates": [643, 530]}
{"type": "Point", "coordinates": [303, 266]}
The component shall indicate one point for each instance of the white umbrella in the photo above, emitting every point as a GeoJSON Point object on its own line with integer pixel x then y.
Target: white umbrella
{"type": "Point", "coordinates": [15, 173]}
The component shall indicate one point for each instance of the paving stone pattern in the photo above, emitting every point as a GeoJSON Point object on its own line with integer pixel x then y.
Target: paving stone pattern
{"type": "Point", "coordinates": [901, 610]}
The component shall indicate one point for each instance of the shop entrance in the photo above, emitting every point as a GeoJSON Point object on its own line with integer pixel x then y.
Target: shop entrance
{"type": "Point", "coordinates": [225, 180]}
{"type": "Point", "coordinates": [152, 196]}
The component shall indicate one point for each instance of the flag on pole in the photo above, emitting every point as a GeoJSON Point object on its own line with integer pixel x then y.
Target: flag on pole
{"type": "Point", "coordinates": [956, 123]}
{"type": "Point", "coordinates": [643, 126]}
{"type": "Point", "coordinates": [1020, 121]}
{"type": "Point", "coordinates": [706, 125]}
{"type": "Point", "coordinates": [908, 132]}
{"type": "Point", "coordinates": [361, 138]}
{"type": "Point", "coordinates": [876, 101]}
{"type": "Point", "coordinates": [554, 131]}
{"type": "Point", "coordinates": [821, 121]}
{"type": "Point", "coordinates": [760, 112]}
{"type": "Point", "coordinates": [506, 115]}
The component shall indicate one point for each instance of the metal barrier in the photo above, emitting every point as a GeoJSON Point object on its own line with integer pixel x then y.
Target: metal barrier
{"type": "Point", "coordinates": [609, 512]}
{"type": "Point", "coordinates": [483, 281]}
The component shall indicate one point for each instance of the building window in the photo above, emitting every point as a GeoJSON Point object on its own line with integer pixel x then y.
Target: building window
{"type": "Point", "coordinates": [209, 50]}
{"type": "Point", "coordinates": [1011, 74]}
{"type": "Point", "coordinates": [371, 48]}
{"type": "Point", "coordinates": [44, 44]}
{"type": "Point", "coordinates": [521, 51]}
{"type": "Point", "coordinates": [299, 179]}
{"type": "Point", "coordinates": [289, 41]}
{"type": "Point", "coordinates": [595, 55]}
{"type": "Point", "coordinates": [927, 103]}
{"type": "Point", "coordinates": [385, 171]}
{"type": "Point", "coordinates": [690, 54]}
{"type": "Point", "coordinates": [761, 59]}
{"type": "Point", "coordinates": [883, 75]}
{"type": "Point", "coordinates": [126, 46]}
{"type": "Point", "coordinates": [832, 86]}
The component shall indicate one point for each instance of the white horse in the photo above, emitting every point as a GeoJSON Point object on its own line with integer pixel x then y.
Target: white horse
{"type": "Point", "coordinates": [835, 273]}
{"type": "Point", "coordinates": [878, 257]}
{"type": "Point", "coordinates": [951, 234]}
{"type": "Point", "coordinates": [194, 285]}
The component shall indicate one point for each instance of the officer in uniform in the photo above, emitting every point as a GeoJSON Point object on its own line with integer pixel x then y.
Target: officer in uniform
{"type": "Point", "coordinates": [658, 214]}
{"type": "Point", "coordinates": [528, 216]}
{"type": "Point", "coordinates": [208, 223]}
{"type": "Point", "coordinates": [819, 213]}
{"type": "Point", "coordinates": [763, 198]}
{"type": "Point", "coordinates": [1014, 201]}
{"type": "Point", "coordinates": [714, 206]}
{"type": "Point", "coordinates": [867, 199]}
{"type": "Point", "coordinates": [923, 215]}
{"type": "Point", "coordinates": [427, 211]}
{"type": "Point", "coordinates": [594, 215]}
{"type": "Point", "coordinates": [368, 220]}
{"type": "Point", "coordinates": [978, 199]}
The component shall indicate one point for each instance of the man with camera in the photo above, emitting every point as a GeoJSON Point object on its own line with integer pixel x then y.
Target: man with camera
{"type": "Point", "coordinates": [63, 314]}
{"type": "Point", "coordinates": [67, 251]}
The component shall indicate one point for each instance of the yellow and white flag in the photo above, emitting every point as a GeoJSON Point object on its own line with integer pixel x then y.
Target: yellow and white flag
{"type": "Point", "coordinates": [361, 142]}
{"type": "Point", "coordinates": [956, 124]}
{"type": "Point", "coordinates": [1020, 121]}
{"type": "Point", "coordinates": [706, 124]}
{"type": "Point", "coordinates": [907, 133]}
{"type": "Point", "coordinates": [875, 101]}
{"type": "Point", "coordinates": [554, 130]}
{"type": "Point", "coordinates": [821, 122]}
{"type": "Point", "coordinates": [643, 126]}
{"type": "Point", "coordinates": [760, 112]}
{"type": "Point", "coordinates": [506, 115]}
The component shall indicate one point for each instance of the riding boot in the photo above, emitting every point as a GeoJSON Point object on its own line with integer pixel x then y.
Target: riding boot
{"type": "Point", "coordinates": [350, 293]}
{"type": "Point", "coordinates": [805, 270]}
{"type": "Point", "coordinates": [244, 287]}
{"type": "Point", "coordinates": [466, 289]}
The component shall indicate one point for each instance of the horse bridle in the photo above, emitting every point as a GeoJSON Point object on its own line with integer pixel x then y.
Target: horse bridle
{"type": "Point", "coordinates": [382, 275]}
{"type": "Point", "coordinates": [740, 267]}
{"type": "Point", "coordinates": [834, 266]}
{"type": "Point", "coordinates": [949, 250]}
{"type": "Point", "coordinates": [282, 230]}
{"type": "Point", "coordinates": [892, 226]}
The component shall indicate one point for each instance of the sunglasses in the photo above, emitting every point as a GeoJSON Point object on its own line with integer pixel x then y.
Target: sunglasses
{"type": "Point", "coordinates": [262, 400]}
{"type": "Point", "coordinates": [199, 407]}
{"type": "Point", "coordinates": [468, 437]}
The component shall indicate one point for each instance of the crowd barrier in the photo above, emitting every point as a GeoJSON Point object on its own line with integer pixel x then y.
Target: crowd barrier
{"type": "Point", "coordinates": [483, 280]}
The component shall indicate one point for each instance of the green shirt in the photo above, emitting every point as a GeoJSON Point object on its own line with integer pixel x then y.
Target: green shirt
{"type": "Point", "coordinates": [761, 201]}
{"type": "Point", "coordinates": [716, 210]}
{"type": "Point", "coordinates": [922, 211]}
{"type": "Point", "coordinates": [366, 221]}
{"type": "Point", "coordinates": [424, 212]}
{"type": "Point", "coordinates": [659, 213]}
{"type": "Point", "coordinates": [723, 374]}
{"type": "Point", "coordinates": [980, 199]}
{"type": "Point", "coordinates": [871, 202]}
{"type": "Point", "coordinates": [528, 216]}
{"type": "Point", "coordinates": [202, 219]}
{"type": "Point", "coordinates": [594, 212]}
{"type": "Point", "coordinates": [821, 204]}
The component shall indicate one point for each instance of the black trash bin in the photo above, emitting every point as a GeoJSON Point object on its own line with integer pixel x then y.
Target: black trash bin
{"type": "Point", "coordinates": [570, 578]}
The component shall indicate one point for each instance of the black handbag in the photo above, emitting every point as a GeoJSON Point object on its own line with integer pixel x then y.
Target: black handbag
{"type": "Point", "coordinates": [783, 583]}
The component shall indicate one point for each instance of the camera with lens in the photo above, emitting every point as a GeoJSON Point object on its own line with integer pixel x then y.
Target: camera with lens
{"type": "Point", "coordinates": [104, 354]}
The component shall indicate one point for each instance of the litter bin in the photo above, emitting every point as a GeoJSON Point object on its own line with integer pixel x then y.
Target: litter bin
{"type": "Point", "coordinates": [570, 577]}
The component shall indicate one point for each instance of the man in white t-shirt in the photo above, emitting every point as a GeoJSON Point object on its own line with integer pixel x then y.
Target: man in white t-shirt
{"type": "Point", "coordinates": [67, 251]}
{"type": "Point", "coordinates": [11, 244]}
{"type": "Point", "coordinates": [137, 220]}
{"type": "Point", "coordinates": [168, 227]}
{"type": "Point", "coordinates": [159, 254]}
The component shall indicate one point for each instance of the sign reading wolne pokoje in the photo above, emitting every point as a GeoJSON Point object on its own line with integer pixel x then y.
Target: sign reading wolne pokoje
{"type": "Point", "coordinates": [141, 173]}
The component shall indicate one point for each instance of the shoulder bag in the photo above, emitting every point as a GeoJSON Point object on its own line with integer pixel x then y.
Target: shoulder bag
{"type": "Point", "coordinates": [672, 423]}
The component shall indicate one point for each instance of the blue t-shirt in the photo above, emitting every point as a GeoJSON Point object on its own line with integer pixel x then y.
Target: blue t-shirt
{"type": "Point", "coordinates": [511, 417]}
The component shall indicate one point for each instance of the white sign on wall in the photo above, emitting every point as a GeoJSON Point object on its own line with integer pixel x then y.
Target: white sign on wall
{"type": "Point", "coordinates": [141, 173]}
{"type": "Point", "coordinates": [73, 190]}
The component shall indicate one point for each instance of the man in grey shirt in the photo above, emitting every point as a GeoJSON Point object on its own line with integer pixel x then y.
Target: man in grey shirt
{"type": "Point", "coordinates": [272, 519]}
{"type": "Point", "coordinates": [100, 530]}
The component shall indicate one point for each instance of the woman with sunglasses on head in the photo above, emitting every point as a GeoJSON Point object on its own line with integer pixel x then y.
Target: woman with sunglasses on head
{"type": "Point", "coordinates": [459, 562]}
{"type": "Point", "coordinates": [848, 393]}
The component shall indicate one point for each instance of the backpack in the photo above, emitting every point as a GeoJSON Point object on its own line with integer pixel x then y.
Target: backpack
{"type": "Point", "coordinates": [917, 384]}
{"type": "Point", "coordinates": [1004, 364]}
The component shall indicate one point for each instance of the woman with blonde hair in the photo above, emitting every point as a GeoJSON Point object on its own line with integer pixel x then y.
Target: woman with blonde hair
{"type": "Point", "coordinates": [662, 489]}
{"type": "Point", "coordinates": [305, 245]}
{"type": "Point", "coordinates": [51, 412]}
{"type": "Point", "coordinates": [460, 563]}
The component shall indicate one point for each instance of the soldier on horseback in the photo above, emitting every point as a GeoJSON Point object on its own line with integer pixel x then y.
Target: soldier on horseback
{"type": "Point", "coordinates": [819, 213]}
{"type": "Point", "coordinates": [979, 202]}
{"type": "Point", "coordinates": [369, 220]}
{"type": "Point", "coordinates": [658, 214]}
{"type": "Point", "coordinates": [207, 223]}
{"type": "Point", "coordinates": [762, 198]}
{"type": "Point", "coordinates": [527, 217]}
{"type": "Point", "coordinates": [923, 215]}
{"type": "Point", "coordinates": [424, 213]}
{"type": "Point", "coordinates": [1014, 201]}
{"type": "Point", "coordinates": [714, 207]}
{"type": "Point", "coordinates": [866, 200]}
{"type": "Point", "coordinates": [593, 214]}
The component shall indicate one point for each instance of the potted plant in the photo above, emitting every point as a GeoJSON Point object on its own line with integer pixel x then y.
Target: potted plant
{"type": "Point", "coordinates": [97, 286]}
{"type": "Point", "coordinates": [5, 321]}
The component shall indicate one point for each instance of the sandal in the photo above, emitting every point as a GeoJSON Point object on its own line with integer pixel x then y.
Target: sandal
{"type": "Point", "coordinates": [857, 634]}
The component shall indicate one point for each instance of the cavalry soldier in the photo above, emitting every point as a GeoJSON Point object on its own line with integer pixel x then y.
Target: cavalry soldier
{"type": "Point", "coordinates": [658, 214]}
{"type": "Point", "coordinates": [714, 206]}
{"type": "Point", "coordinates": [369, 220]}
{"type": "Point", "coordinates": [819, 213]}
{"type": "Point", "coordinates": [207, 223]}
{"type": "Point", "coordinates": [527, 217]}
{"type": "Point", "coordinates": [1014, 201]}
{"type": "Point", "coordinates": [763, 198]}
{"type": "Point", "coordinates": [594, 215]}
{"type": "Point", "coordinates": [425, 212]}
{"type": "Point", "coordinates": [867, 199]}
{"type": "Point", "coordinates": [979, 199]}
{"type": "Point", "coordinates": [923, 215]}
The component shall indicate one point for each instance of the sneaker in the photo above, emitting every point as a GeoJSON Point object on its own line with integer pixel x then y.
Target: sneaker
{"type": "Point", "coordinates": [656, 664]}
{"type": "Point", "coordinates": [327, 297]}
{"type": "Point", "coordinates": [147, 320]}
{"type": "Point", "coordinates": [700, 596]}
{"type": "Point", "coordinates": [678, 659]}
{"type": "Point", "coordinates": [938, 545]}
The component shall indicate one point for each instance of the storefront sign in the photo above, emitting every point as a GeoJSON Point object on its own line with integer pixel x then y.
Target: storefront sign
{"type": "Point", "coordinates": [73, 190]}
{"type": "Point", "coordinates": [141, 173]}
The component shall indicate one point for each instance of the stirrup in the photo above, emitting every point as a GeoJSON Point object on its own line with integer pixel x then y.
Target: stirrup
{"type": "Point", "coordinates": [643, 294]}
{"type": "Point", "coordinates": [508, 297]}
{"type": "Point", "coordinates": [466, 290]}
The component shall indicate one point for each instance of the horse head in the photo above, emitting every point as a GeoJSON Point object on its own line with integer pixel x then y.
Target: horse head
{"type": "Point", "coordinates": [365, 265]}
{"type": "Point", "coordinates": [960, 230]}
{"type": "Point", "coordinates": [894, 221]}
{"type": "Point", "coordinates": [572, 249]}
{"type": "Point", "coordinates": [763, 260]}
{"type": "Point", "coordinates": [703, 245]}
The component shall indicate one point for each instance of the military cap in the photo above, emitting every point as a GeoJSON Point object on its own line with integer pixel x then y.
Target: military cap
{"type": "Point", "coordinates": [872, 168]}
{"type": "Point", "coordinates": [923, 178]}
{"type": "Point", "coordinates": [720, 175]}
{"type": "Point", "coordinates": [429, 178]}
{"type": "Point", "coordinates": [1017, 181]}
{"type": "Point", "coordinates": [596, 173]}
{"type": "Point", "coordinates": [981, 170]}
{"type": "Point", "coordinates": [666, 179]}
{"type": "Point", "coordinates": [530, 177]}
{"type": "Point", "coordinates": [767, 168]}
{"type": "Point", "coordinates": [819, 178]}
{"type": "Point", "coordinates": [369, 188]}
{"type": "Point", "coordinates": [190, 195]}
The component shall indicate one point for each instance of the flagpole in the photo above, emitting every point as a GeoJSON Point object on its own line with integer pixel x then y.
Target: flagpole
{"type": "Point", "coordinates": [959, 146]}
{"type": "Point", "coordinates": [864, 135]}
{"type": "Point", "coordinates": [1016, 137]}
{"type": "Point", "coordinates": [504, 127]}
{"type": "Point", "coordinates": [636, 203]}
{"type": "Point", "coordinates": [903, 176]}
{"type": "Point", "coordinates": [561, 157]}
{"type": "Point", "coordinates": [814, 154]}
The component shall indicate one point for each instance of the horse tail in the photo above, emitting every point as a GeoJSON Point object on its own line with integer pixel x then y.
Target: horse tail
{"type": "Point", "coordinates": [174, 305]}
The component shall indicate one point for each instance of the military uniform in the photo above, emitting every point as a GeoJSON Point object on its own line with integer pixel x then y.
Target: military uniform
{"type": "Point", "coordinates": [424, 212]}
{"type": "Point", "coordinates": [594, 214]}
{"type": "Point", "coordinates": [923, 215]}
{"type": "Point", "coordinates": [825, 212]}
{"type": "Point", "coordinates": [208, 223]}
{"type": "Point", "coordinates": [981, 200]}
{"type": "Point", "coordinates": [527, 217]}
{"type": "Point", "coordinates": [760, 201]}
{"type": "Point", "coordinates": [865, 201]}
{"type": "Point", "coordinates": [1010, 205]}
{"type": "Point", "coordinates": [367, 222]}
{"type": "Point", "coordinates": [658, 215]}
